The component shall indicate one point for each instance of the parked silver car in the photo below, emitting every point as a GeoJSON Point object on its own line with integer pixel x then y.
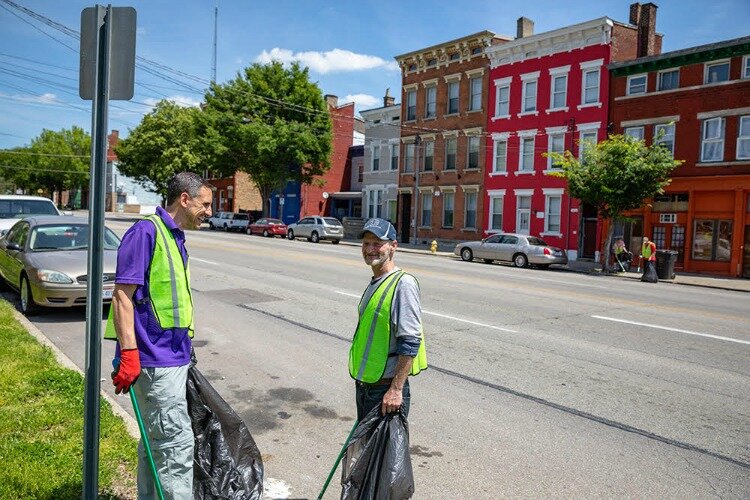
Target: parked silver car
{"type": "Point", "coordinates": [14, 207]}
{"type": "Point", "coordinates": [316, 229]}
{"type": "Point", "coordinates": [520, 249]}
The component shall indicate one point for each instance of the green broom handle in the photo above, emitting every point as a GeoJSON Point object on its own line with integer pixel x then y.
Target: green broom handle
{"type": "Point", "coordinates": [338, 460]}
{"type": "Point", "coordinates": [146, 446]}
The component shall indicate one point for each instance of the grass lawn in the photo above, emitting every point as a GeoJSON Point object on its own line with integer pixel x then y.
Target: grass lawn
{"type": "Point", "coordinates": [41, 425]}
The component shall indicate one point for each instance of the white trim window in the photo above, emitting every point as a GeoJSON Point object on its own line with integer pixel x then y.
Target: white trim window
{"type": "Point", "coordinates": [717, 72]}
{"type": "Point", "coordinates": [475, 99]}
{"type": "Point", "coordinates": [666, 130]}
{"type": "Point", "coordinates": [430, 102]}
{"type": "Point", "coordinates": [448, 208]}
{"type": "Point", "coordinates": [470, 210]}
{"type": "Point", "coordinates": [746, 67]}
{"type": "Point", "coordinates": [712, 140]}
{"type": "Point", "coordinates": [411, 105]}
{"type": "Point", "coordinates": [526, 158]}
{"type": "Point", "coordinates": [375, 165]}
{"type": "Point", "coordinates": [637, 84]}
{"type": "Point", "coordinates": [451, 146]}
{"type": "Point", "coordinates": [528, 100]}
{"type": "Point", "coordinates": [394, 156]}
{"type": "Point", "coordinates": [668, 80]}
{"type": "Point", "coordinates": [559, 92]}
{"type": "Point", "coordinates": [590, 82]}
{"type": "Point", "coordinates": [635, 132]}
{"type": "Point", "coordinates": [452, 98]}
{"type": "Point", "coordinates": [743, 138]}
{"type": "Point", "coordinates": [473, 152]}
{"type": "Point", "coordinates": [375, 203]}
{"type": "Point", "coordinates": [500, 157]}
{"type": "Point", "coordinates": [502, 98]}
{"type": "Point", "coordinates": [496, 212]}
{"type": "Point", "coordinates": [409, 159]}
{"type": "Point", "coordinates": [425, 217]}
{"type": "Point", "coordinates": [552, 211]}
{"type": "Point", "coordinates": [587, 140]}
{"type": "Point", "coordinates": [523, 214]}
{"type": "Point", "coordinates": [429, 155]}
{"type": "Point", "coordinates": [555, 144]}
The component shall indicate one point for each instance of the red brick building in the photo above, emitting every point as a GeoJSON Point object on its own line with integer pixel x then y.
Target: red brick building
{"type": "Point", "coordinates": [699, 98]}
{"type": "Point", "coordinates": [549, 93]}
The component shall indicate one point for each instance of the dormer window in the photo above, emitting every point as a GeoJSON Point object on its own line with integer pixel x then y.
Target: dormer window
{"type": "Point", "coordinates": [455, 56]}
{"type": "Point", "coordinates": [412, 67]}
{"type": "Point", "coordinates": [431, 62]}
{"type": "Point", "coordinates": [476, 50]}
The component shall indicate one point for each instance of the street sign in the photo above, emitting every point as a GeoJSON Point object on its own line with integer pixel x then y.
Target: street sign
{"type": "Point", "coordinates": [121, 57]}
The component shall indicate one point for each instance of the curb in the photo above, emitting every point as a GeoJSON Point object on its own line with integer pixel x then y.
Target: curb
{"type": "Point", "coordinates": [130, 424]}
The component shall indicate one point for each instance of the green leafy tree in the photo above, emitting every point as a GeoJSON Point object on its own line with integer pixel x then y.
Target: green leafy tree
{"type": "Point", "coordinates": [616, 175]}
{"type": "Point", "coordinates": [273, 124]}
{"type": "Point", "coordinates": [167, 141]}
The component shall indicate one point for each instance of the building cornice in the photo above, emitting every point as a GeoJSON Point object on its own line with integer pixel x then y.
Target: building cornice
{"type": "Point", "coordinates": [442, 52]}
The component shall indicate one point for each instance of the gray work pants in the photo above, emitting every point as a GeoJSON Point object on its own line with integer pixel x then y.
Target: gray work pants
{"type": "Point", "coordinates": [161, 394]}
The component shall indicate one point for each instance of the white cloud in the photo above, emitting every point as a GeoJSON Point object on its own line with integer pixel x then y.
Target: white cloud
{"type": "Point", "coordinates": [46, 98]}
{"type": "Point", "coordinates": [363, 101]}
{"type": "Point", "coordinates": [336, 60]}
{"type": "Point", "coordinates": [180, 100]}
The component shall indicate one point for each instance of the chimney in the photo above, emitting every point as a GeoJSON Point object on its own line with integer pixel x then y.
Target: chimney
{"type": "Point", "coordinates": [524, 27]}
{"type": "Point", "coordinates": [646, 23]}
{"type": "Point", "coordinates": [332, 100]}
{"type": "Point", "coordinates": [388, 99]}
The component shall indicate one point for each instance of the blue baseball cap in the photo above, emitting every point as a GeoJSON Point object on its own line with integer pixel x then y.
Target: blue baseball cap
{"type": "Point", "coordinates": [381, 228]}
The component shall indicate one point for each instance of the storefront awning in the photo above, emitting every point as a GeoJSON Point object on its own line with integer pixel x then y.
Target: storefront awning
{"type": "Point", "coordinates": [347, 195]}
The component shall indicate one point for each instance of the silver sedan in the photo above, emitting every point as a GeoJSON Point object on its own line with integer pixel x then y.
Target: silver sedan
{"type": "Point", "coordinates": [520, 249]}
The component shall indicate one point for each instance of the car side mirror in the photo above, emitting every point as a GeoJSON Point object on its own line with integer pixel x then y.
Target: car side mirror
{"type": "Point", "coordinates": [13, 246]}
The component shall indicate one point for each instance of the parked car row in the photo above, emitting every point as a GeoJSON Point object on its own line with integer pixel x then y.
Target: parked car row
{"type": "Point", "coordinates": [314, 228]}
{"type": "Point", "coordinates": [520, 249]}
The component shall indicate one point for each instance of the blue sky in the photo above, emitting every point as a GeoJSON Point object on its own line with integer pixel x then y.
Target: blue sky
{"type": "Point", "coordinates": [348, 45]}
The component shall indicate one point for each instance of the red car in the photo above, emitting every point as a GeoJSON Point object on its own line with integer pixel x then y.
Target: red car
{"type": "Point", "coordinates": [267, 227]}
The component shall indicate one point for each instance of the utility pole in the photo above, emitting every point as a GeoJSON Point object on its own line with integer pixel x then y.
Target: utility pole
{"type": "Point", "coordinates": [417, 142]}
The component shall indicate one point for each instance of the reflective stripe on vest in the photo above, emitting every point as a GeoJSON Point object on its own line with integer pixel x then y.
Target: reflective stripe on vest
{"type": "Point", "coordinates": [370, 348]}
{"type": "Point", "coordinates": [168, 285]}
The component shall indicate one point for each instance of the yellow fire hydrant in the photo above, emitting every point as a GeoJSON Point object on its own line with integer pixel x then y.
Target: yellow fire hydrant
{"type": "Point", "coordinates": [433, 247]}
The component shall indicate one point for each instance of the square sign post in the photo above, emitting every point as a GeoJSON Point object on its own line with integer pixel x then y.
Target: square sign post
{"type": "Point", "coordinates": [107, 72]}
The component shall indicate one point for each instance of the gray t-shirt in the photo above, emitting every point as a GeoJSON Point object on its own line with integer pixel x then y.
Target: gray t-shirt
{"type": "Point", "coordinates": [406, 318]}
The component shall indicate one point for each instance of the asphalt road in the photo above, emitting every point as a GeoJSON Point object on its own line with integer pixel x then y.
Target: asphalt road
{"type": "Point", "coordinates": [541, 383]}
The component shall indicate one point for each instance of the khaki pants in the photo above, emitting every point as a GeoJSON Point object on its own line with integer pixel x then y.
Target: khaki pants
{"type": "Point", "coordinates": [161, 394]}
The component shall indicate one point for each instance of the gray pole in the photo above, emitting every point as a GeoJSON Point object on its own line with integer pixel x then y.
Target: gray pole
{"type": "Point", "coordinates": [213, 66]}
{"type": "Point", "coordinates": [95, 255]}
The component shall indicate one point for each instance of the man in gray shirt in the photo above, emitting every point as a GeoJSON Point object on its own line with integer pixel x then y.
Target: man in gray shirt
{"type": "Point", "coordinates": [388, 344]}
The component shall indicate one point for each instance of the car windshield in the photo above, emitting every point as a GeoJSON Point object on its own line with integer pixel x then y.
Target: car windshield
{"type": "Point", "coordinates": [10, 209]}
{"type": "Point", "coordinates": [67, 237]}
{"type": "Point", "coordinates": [331, 221]}
{"type": "Point", "coordinates": [274, 222]}
{"type": "Point", "coordinates": [536, 242]}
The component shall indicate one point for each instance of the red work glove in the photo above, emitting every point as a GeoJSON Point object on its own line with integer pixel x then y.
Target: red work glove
{"type": "Point", "coordinates": [128, 371]}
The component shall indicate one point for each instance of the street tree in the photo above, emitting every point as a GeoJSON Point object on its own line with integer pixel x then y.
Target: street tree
{"type": "Point", "coordinates": [273, 124]}
{"type": "Point", "coordinates": [616, 175]}
{"type": "Point", "coordinates": [166, 141]}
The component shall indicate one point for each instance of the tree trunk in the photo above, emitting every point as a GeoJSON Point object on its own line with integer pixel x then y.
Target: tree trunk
{"type": "Point", "coordinates": [265, 196]}
{"type": "Point", "coordinates": [608, 246]}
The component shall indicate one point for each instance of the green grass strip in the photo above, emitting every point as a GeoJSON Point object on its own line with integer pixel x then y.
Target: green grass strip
{"type": "Point", "coordinates": [41, 425]}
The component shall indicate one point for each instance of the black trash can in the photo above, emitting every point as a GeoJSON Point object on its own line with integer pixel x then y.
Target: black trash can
{"type": "Point", "coordinates": [665, 261]}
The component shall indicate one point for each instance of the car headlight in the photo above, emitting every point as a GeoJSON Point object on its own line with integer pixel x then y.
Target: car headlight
{"type": "Point", "coordinates": [53, 276]}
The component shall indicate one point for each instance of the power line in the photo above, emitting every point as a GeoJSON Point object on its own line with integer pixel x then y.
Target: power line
{"type": "Point", "coordinates": [30, 153]}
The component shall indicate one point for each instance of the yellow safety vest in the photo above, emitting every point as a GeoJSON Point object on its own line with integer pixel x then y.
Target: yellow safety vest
{"type": "Point", "coordinates": [646, 250]}
{"type": "Point", "coordinates": [370, 348]}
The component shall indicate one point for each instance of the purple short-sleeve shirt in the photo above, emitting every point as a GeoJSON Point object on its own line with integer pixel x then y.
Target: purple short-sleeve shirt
{"type": "Point", "coordinates": [157, 347]}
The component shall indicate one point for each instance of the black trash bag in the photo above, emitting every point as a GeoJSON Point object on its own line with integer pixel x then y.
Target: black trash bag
{"type": "Point", "coordinates": [377, 465]}
{"type": "Point", "coordinates": [227, 462]}
{"type": "Point", "coordinates": [649, 273]}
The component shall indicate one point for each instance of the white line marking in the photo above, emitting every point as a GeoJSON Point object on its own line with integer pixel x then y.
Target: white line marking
{"type": "Point", "coordinates": [448, 317]}
{"type": "Point", "coordinates": [204, 261]}
{"type": "Point", "coordinates": [708, 335]}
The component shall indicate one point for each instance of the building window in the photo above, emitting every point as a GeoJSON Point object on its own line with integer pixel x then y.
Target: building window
{"type": "Point", "coordinates": [746, 67]}
{"type": "Point", "coordinates": [527, 154]}
{"type": "Point", "coordinates": [394, 156]}
{"type": "Point", "coordinates": [429, 155]}
{"type": "Point", "coordinates": [659, 236]}
{"type": "Point", "coordinates": [450, 154]}
{"type": "Point", "coordinates": [496, 213]}
{"type": "Point", "coordinates": [452, 98]}
{"type": "Point", "coordinates": [678, 241]}
{"type": "Point", "coordinates": [559, 91]}
{"type": "Point", "coordinates": [476, 50]}
{"type": "Point", "coordinates": [470, 203]}
{"type": "Point", "coordinates": [587, 140]}
{"type": "Point", "coordinates": [712, 144]}
{"type": "Point", "coordinates": [712, 240]}
{"type": "Point", "coordinates": [475, 102]}
{"type": "Point", "coordinates": [432, 62]}
{"type": "Point", "coordinates": [411, 105]}
{"type": "Point", "coordinates": [590, 86]}
{"type": "Point", "coordinates": [448, 199]}
{"type": "Point", "coordinates": [502, 104]}
{"type": "Point", "coordinates": [426, 215]}
{"type": "Point", "coordinates": [634, 132]}
{"type": "Point", "coordinates": [376, 158]}
{"type": "Point", "coordinates": [717, 72]}
{"type": "Point", "coordinates": [556, 144]}
{"type": "Point", "coordinates": [664, 135]}
{"type": "Point", "coordinates": [409, 160]}
{"type": "Point", "coordinates": [669, 80]}
{"type": "Point", "coordinates": [743, 138]}
{"type": "Point", "coordinates": [430, 98]}
{"type": "Point", "coordinates": [552, 214]}
{"type": "Point", "coordinates": [500, 160]}
{"type": "Point", "coordinates": [375, 203]}
{"type": "Point", "coordinates": [412, 67]}
{"type": "Point", "coordinates": [529, 96]}
{"type": "Point", "coordinates": [455, 56]}
{"type": "Point", "coordinates": [523, 214]}
{"type": "Point", "coordinates": [636, 84]}
{"type": "Point", "coordinates": [473, 152]}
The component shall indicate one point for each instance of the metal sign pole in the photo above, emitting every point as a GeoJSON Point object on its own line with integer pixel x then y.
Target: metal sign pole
{"type": "Point", "coordinates": [103, 17]}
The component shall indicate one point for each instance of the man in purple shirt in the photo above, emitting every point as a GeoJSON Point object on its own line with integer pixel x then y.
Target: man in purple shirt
{"type": "Point", "coordinates": [155, 355]}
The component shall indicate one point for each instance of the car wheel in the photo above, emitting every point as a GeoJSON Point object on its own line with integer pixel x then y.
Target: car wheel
{"type": "Point", "coordinates": [28, 307]}
{"type": "Point", "coordinates": [467, 255]}
{"type": "Point", "coordinates": [314, 237]}
{"type": "Point", "coordinates": [226, 228]}
{"type": "Point", "coordinates": [211, 225]}
{"type": "Point", "coordinates": [249, 231]}
{"type": "Point", "coordinates": [335, 242]}
{"type": "Point", "coordinates": [265, 233]}
{"type": "Point", "coordinates": [290, 234]}
{"type": "Point", "coordinates": [488, 261]}
{"type": "Point", "coordinates": [520, 260]}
